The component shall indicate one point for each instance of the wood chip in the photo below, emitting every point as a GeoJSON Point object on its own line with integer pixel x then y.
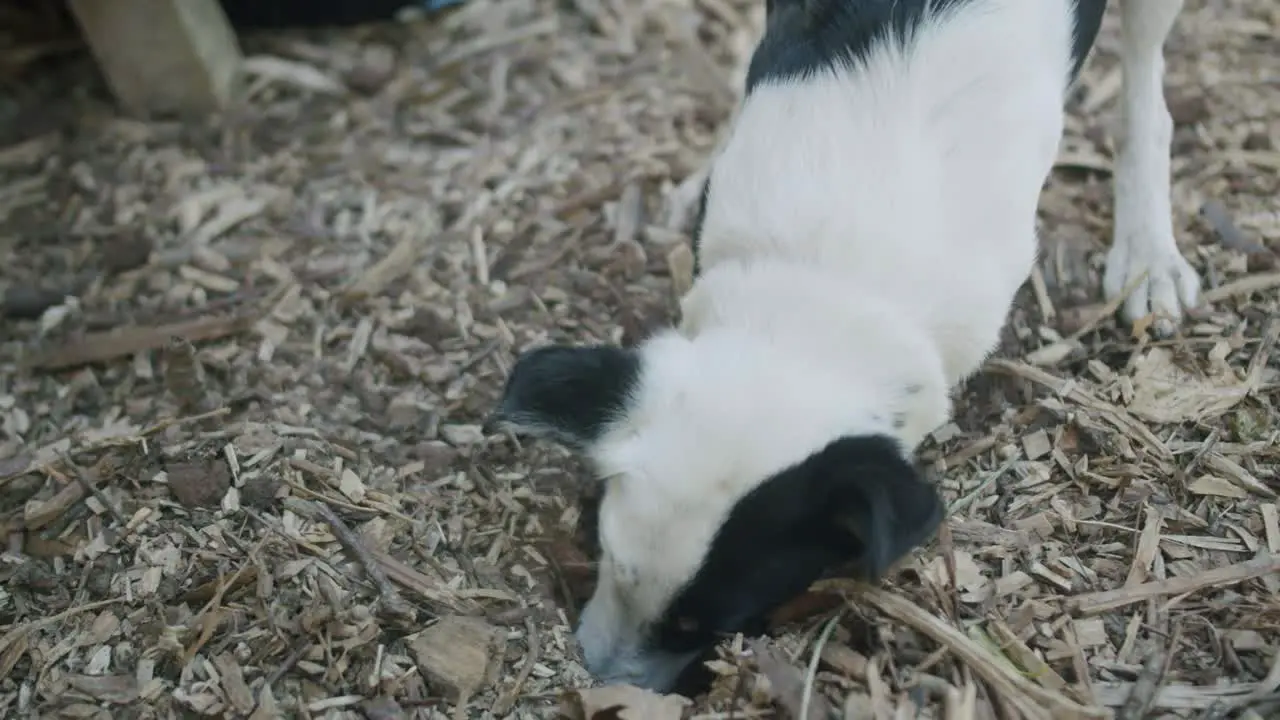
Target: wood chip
{"type": "Point", "coordinates": [624, 702]}
{"type": "Point", "coordinates": [351, 257]}
{"type": "Point", "coordinates": [787, 684]}
{"type": "Point", "coordinates": [1229, 575]}
{"type": "Point", "coordinates": [459, 656]}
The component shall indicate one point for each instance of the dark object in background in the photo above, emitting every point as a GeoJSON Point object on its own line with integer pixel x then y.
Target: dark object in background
{"type": "Point", "coordinates": [280, 14]}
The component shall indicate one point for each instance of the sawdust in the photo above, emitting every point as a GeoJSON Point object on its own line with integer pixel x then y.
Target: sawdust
{"type": "Point", "coordinates": [244, 365]}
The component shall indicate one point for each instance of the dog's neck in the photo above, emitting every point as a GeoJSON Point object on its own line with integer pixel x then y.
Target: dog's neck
{"type": "Point", "coordinates": [836, 329]}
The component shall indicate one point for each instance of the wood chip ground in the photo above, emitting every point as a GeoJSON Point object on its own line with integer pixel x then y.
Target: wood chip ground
{"type": "Point", "coordinates": [243, 365]}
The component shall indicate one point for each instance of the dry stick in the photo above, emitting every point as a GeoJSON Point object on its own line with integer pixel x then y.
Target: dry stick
{"type": "Point", "coordinates": [1243, 286]}
{"type": "Point", "coordinates": [811, 675]}
{"type": "Point", "coordinates": [18, 631]}
{"type": "Point", "coordinates": [962, 503]}
{"type": "Point", "coordinates": [95, 347]}
{"type": "Point", "coordinates": [1094, 603]}
{"type": "Point", "coordinates": [299, 650]}
{"type": "Point", "coordinates": [1121, 418]}
{"type": "Point", "coordinates": [23, 469]}
{"type": "Point", "coordinates": [438, 601]}
{"type": "Point", "coordinates": [206, 614]}
{"type": "Point", "coordinates": [1031, 664]}
{"type": "Point", "coordinates": [392, 603]}
{"type": "Point", "coordinates": [177, 421]}
{"type": "Point", "coordinates": [1147, 684]}
{"type": "Point", "coordinates": [1266, 687]}
{"type": "Point", "coordinates": [507, 701]}
{"type": "Point", "coordinates": [1104, 311]}
{"type": "Point", "coordinates": [1027, 697]}
{"type": "Point", "coordinates": [1257, 363]}
{"type": "Point", "coordinates": [91, 486]}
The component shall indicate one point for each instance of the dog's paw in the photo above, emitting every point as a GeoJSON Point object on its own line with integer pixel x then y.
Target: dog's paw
{"type": "Point", "coordinates": [1170, 287]}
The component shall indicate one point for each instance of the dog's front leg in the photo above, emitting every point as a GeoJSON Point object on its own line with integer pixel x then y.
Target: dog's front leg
{"type": "Point", "coordinates": [1143, 239]}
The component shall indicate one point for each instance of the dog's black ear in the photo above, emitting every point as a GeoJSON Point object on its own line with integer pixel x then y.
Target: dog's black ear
{"type": "Point", "coordinates": [878, 506]}
{"type": "Point", "coordinates": [566, 394]}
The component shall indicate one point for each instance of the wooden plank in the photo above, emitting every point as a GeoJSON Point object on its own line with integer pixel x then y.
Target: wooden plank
{"type": "Point", "coordinates": [163, 57]}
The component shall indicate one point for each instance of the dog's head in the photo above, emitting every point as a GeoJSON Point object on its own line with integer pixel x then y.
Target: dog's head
{"type": "Point", "coordinates": [727, 490]}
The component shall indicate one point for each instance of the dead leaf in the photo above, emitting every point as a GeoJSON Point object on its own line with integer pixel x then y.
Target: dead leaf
{"type": "Point", "coordinates": [1166, 393]}
{"type": "Point", "coordinates": [621, 702]}
{"type": "Point", "coordinates": [18, 645]}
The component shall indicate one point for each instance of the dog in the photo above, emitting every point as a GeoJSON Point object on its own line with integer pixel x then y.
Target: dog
{"type": "Point", "coordinates": [860, 235]}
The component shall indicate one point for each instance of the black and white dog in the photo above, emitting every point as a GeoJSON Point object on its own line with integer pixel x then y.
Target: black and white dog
{"type": "Point", "coordinates": [861, 235]}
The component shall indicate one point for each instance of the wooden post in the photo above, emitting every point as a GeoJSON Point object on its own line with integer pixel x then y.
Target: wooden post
{"type": "Point", "coordinates": [171, 57]}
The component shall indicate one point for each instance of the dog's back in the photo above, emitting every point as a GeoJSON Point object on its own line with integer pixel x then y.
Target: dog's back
{"type": "Point", "coordinates": [901, 145]}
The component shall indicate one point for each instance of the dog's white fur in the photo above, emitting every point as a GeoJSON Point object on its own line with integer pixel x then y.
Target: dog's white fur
{"type": "Point", "coordinates": [866, 231]}
{"type": "Point", "coordinates": [1143, 238]}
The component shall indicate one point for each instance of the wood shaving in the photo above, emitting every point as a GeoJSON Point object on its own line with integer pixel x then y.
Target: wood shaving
{"type": "Point", "coordinates": [246, 363]}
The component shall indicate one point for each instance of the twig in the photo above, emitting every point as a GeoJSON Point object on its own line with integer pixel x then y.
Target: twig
{"type": "Point", "coordinates": [1028, 698]}
{"type": "Point", "coordinates": [186, 420]}
{"type": "Point", "coordinates": [1243, 286]}
{"type": "Point", "coordinates": [437, 598]}
{"type": "Point", "coordinates": [25, 466]}
{"type": "Point", "coordinates": [392, 603]}
{"type": "Point", "coordinates": [1094, 603]}
{"type": "Point", "coordinates": [1266, 687]}
{"type": "Point", "coordinates": [506, 702]}
{"type": "Point", "coordinates": [1050, 354]}
{"type": "Point", "coordinates": [1146, 686]}
{"type": "Point", "coordinates": [20, 630]}
{"type": "Point", "coordinates": [102, 346]}
{"type": "Point", "coordinates": [1026, 659]}
{"type": "Point", "coordinates": [811, 675]}
{"type": "Point", "coordinates": [301, 649]}
{"type": "Point", "coordinates": [207, 616]}
{"type": "Point", "coordinates": [969, 498]}
{"type": "Point", "coordinates": [1120, 417]}
{"type": "Point", "coordinates": [91, 486]}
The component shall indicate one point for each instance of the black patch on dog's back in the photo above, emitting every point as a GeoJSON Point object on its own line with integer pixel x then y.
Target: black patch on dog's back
{"type": "Point", "coordinates": [804, 37]}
